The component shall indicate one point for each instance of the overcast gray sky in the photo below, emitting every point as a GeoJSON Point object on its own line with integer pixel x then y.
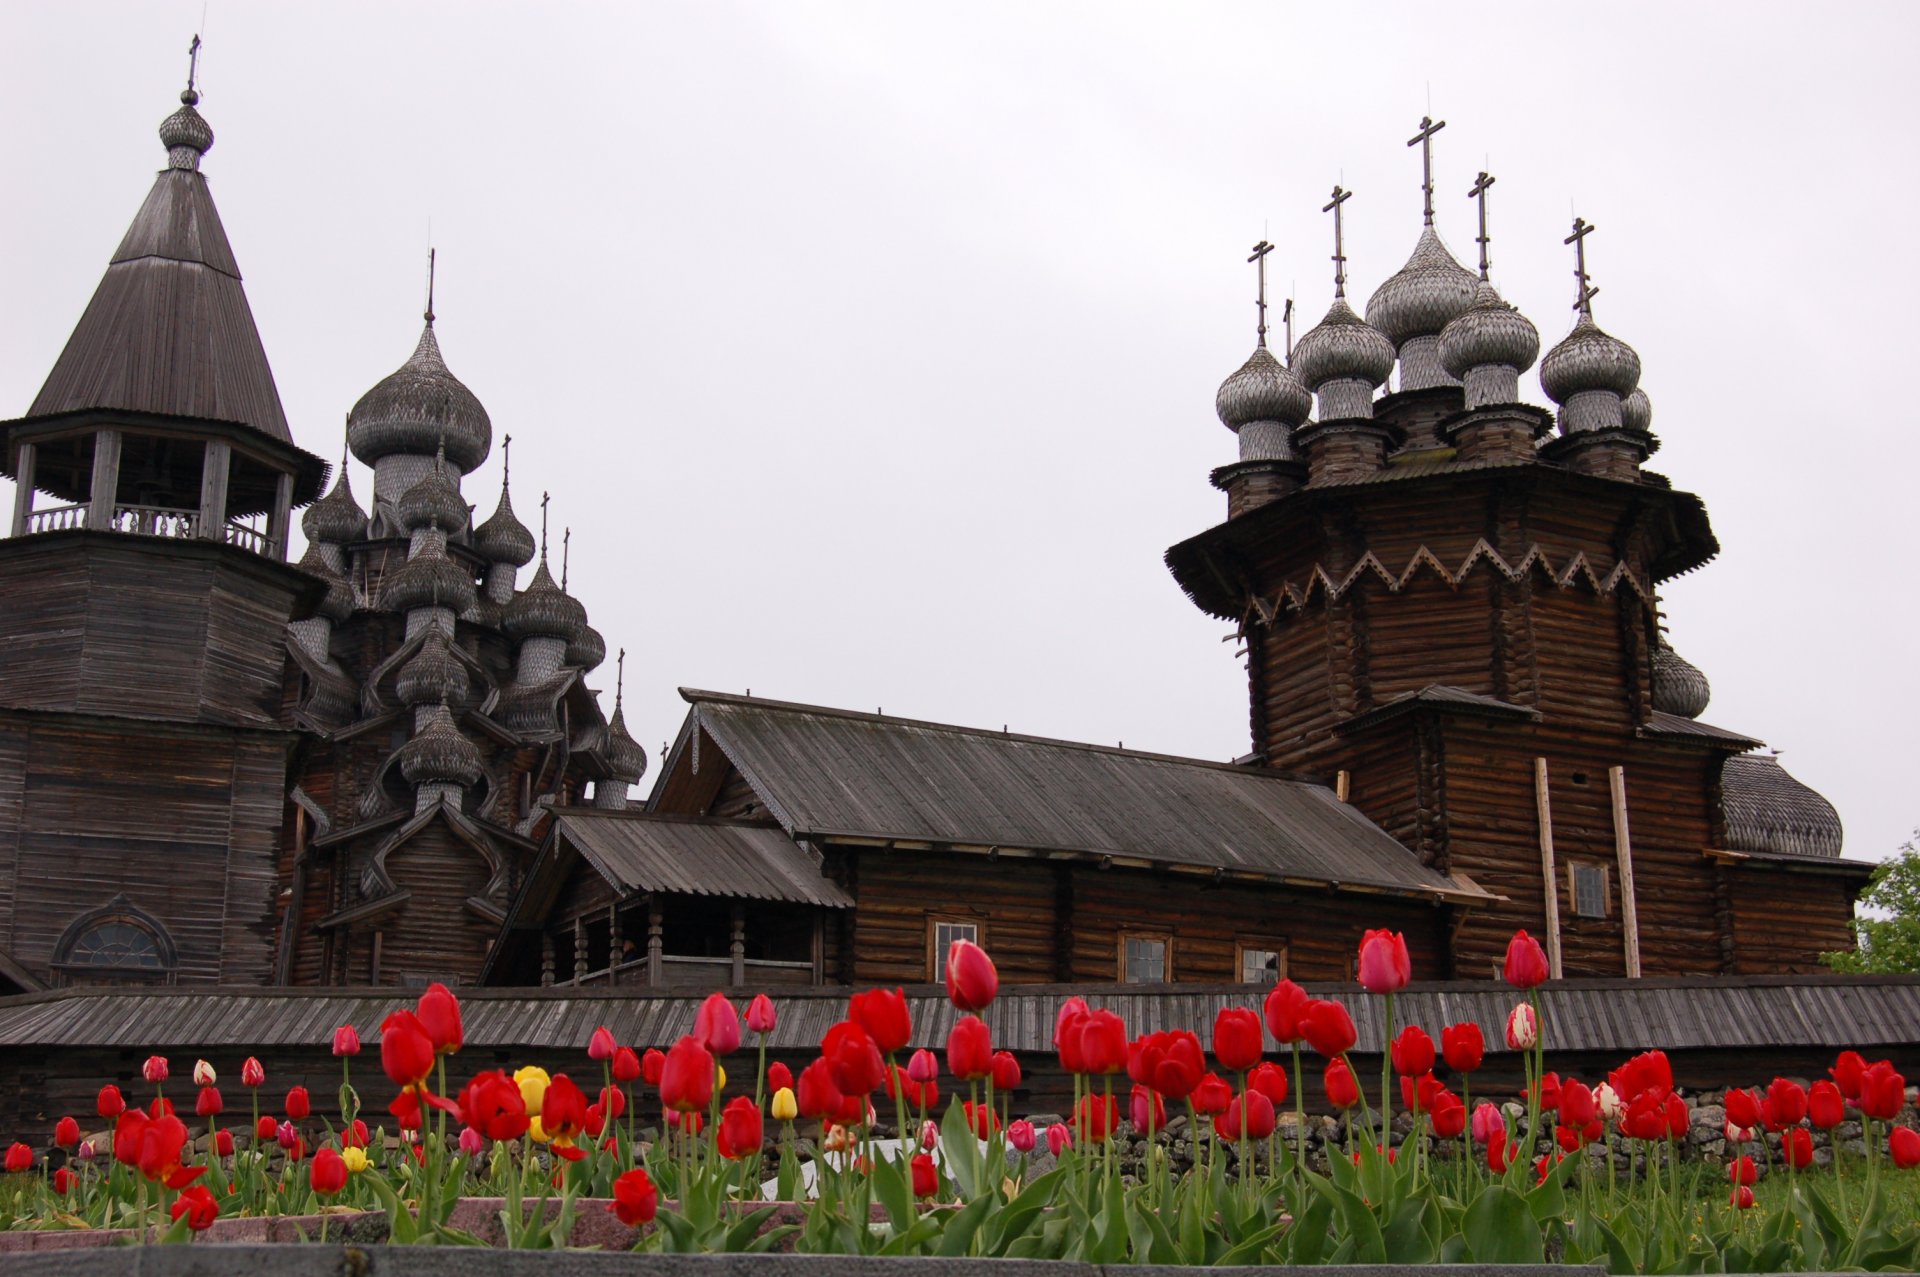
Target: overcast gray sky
{"type": "Point", "coordinates": [870, 350]}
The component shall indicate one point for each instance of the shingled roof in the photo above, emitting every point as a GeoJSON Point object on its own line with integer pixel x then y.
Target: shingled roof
{"type": "Point", "coordinates": [635, 851]}
{"type": "Point", "coordinates": [829, 774]}
{"type": "Point", "coordinates": [1770, 812]}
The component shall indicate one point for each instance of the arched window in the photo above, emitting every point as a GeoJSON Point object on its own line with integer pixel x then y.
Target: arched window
{"type": "Point", "coordinates": [115, 942]}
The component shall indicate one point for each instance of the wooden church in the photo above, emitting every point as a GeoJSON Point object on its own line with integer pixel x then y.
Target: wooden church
{"type": "Point", "coordinates": [382, 764]}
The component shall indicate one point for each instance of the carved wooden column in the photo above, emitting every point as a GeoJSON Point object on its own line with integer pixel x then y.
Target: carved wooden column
{"type": "Point", "coordinates": [546, 960]}
{"type": "Point", "coordinates": [213, 490]}
{"type": "Point", "coordinates": [656, 927]}
{"type": "Point", "coordinates": [281, 521]}
{"type": "Point", "coordinates": [613, 942]}
{"type": "Point", "coordinates": [23, 491]}
{"type": "Point", "coordinates": [106, 479]}
{"type": "Point", "coordinates": [579, 948]}
{"type": "Point", "coordinates": [738, 950]}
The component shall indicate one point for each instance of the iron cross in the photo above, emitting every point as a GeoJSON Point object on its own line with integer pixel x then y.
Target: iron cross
{"type": "Point", "coordinates": [544, 498]}
{"type": "Point", "coordinates": [1424, 140]}
{"type": "Point", "coordinates": [1339, 243]}
{"type": "Point", "coordinates": [1584, 302]}
{"type": "Point", "coordinates": [506, 460]}
{"type": "Point", "coordinates": [431, 253]}
{"type": "Point", "coordinates": [566, 551]}
{"type": "Point", "coordinates": [1259, 257]}
{"type": "Point", "coordinates": [193, 62]}
{"type": "Point", "coordinates": [1286, 317]}
{"type": "Point", "coordinates": [1479, 192]}
{"type": "Point", "coordinates": [619, 679]}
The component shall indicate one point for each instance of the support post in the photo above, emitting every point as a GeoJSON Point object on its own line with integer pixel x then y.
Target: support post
{"type": "Point", "coordinates": [106, 480]}
{"type": "Point", "coordinates": [1343, 784]}
{"type": "Point", "coordinates": [1623, 848]}
{"type": "Point", "coordinates": [213, 490]}
{"type": "Point", "coordinates": [546, 959]}
{"type": "Point", "coordinates": [738, 949]}
{"type": "Point", "coordinates": [656, 928]}
{"type": "Point", "coordinates": [23, 491]}
{"type": "Point", "coordinates": [280, 523]}
{"type": "Point", "coordinates": [579, 948]}
{"type": "Point", "coordinates": [613, 941]}
{"type": "Point", "coordinates": [819, 948]}
{"type": "Point", "coordinates": [373, 957]}
{"type": "Point", "coordinates": [1543, 805]}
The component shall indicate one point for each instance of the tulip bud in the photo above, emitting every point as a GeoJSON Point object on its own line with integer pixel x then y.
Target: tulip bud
{"type": "Point", "coordinates": [923, 1066]}
{"type": "Point", "coordinates": [1738, 1134]}
{"type": "Point", "coordinates": [356, 1158]}
{"type": "Point", "coordinates": [761, 1016]}
{"type": "Point", "coordinates": [626, 1065]}
{"type": "Point", "coordinates": [223, 1143]}
{"type": "Point", "coordinates": [299, 1103]}
{"type": "Point", "coordinates": [1523, 1028]}
{"type": "Point", "coordinates": [266, 1129]}
{"type": "Point", "coordinates": [287, 1134]}
{"type": "Point", "coordinates": [1059, 1138]}
{"type": "Point", "coordinates": [155, 1069]}
{"type": "Point", "coordinates": [601, 1045]}
{"type": "Point", "coordinates": [110, 1102]}
{"type": "Point", "coordinates": [251, 1074]}
{"type": "Point", "coordinates": [203, 1074]}
{"type": "Point", "coordinates": [346, 1041]}
{"type": "Point", "coordinates": [929, 1135]}
{"type": "Point", "coordinates": [472, 1143]}
{"type": "Point", "coordinates": [86, 1152]}
{"type": "Point", "coordinates": [1021, 1136]}
{"type": "Point", "coordinates": [784, 1107]}
{"type": "Point", "coordinates": [209, 1103]}
{"type": "Point", "coordinates": [1607, 1100]}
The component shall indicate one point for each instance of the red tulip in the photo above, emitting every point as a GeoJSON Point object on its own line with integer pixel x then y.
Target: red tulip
{"type": "Point", "coordinates": [328, 1173]}
{"type": "Point", "coordinates": [1096, 1117]}
{"type": "Point", "coordinates": [918, 1094]}
{"type": "Point", "coordinates": [1328, 1028]}
{"type": "Point", "coordinates": [1741, 1198]}
{"type": "Point", "coordinates": [779, 1077]}
{"type": "Point", "coordinates": [970, 1049]}
{"type": "Point", "coordinates": [1489, 1125]}
{"type": "Point", "coordinates": [197, 1204]}
{"type": "Point", "coordinates": [761, 1017]}
{"type": "Point", "coordinates": [1248, 1116]}
{"type": "Point", "coordinates": [1741, 1170]}
{"type": "Point", "coordinates": [1903, 1143]}
{"type": "Point", "coordinates": [1102, 1043]}
{"type": "Point", "coordinates": [1796, 1148]}
{"type": "Point", "coordinates": [1146, 1107]}
{"type": "Point", "coordinates": [653, 1064]}
{"type": "Point", "coordinates": [1883, 1092]}
{"type": "Point", "coordinates": [493, 1106]}
{"type": "Point", "coordinates": [223, 1142]}
{"type": "Point", "coordinates": [159, 1157]}
{"type": "Point", "coordinates": [1646, 1073]}
{"type": "Point", "coordinates": [1006, 1071]}
{"type": "Point", "coordinates": [717, 1025]}
{"type": "Point", "coordinates": [1848, 1068]}
{"type": "Point", "coordinates": [19, 1158]}
{"type": "Point", "coordinates": [1463, 1046]}
{"type": "Point", "coordinates": [1342, 1091]}
{"type": "Point", "coordinates": [1417, 1094]}
{"type": "Point", "coordinates": [299, 1104]}
{"type": "Point", "coordinates": [208, 1104]}
{"type": "Point", "coordinates": [265, 1128]}
{"type": "Point", "coordinates": [1743, 1107]}
{"type": "Point", "coordinates": [926, 1176]}
{"type": "Point", "coordinates": [601, 1045]}
{"type": "Point", "coordinates": [64, 1181]}
{"type": "Point", "coordinates": [1577, 1106]}
{"type": "Point", "coordinates": [817, 1097]}
{"type": "Point", "coordinates": [1448, 1115]}
{"type": "Point", "coordinates": [1526, 961]}
{"type": "Point", "coordinates": [883, 1014]}
{"type": "Point", "coordinates": [686, 1081]}
{"type": "Point", "coordinates": [1070, 1009]}
{"type": "Point", "coordinates": [155, 1069]}
{"type": "Point", "coordinates": [854, 1059]}
{"type": "Point", "coordinates": [1785, 1105]}
{"type": "Point", "coordinates": [346, 1041]}
{"type": "Point", "coordinates": [354, 1135]}
{"type": "Point", "coordinates": [406, 1048]}
{"type": "Point", "coordinates": [981, 1120]}
{"type": "Point", "coordinates": [1059, 1138]}
{"type": "Point", "coordinates": [1500, 1155]}
{"type": "Point", "coordinates": [1021, 1137]}
{"type": "Point", "coordinates": [160, 1106]}
{"type": "Point", "coordinates": [740, 1129]}
{"type": "Point", "coordinates": [439, 1016]}
{"type": "Point", "coordinates": [253, 1076]}
{"type": "Point", "coordinates": [1412, 1052]}
{"type": "Point", "coordinates": [563, 1115]}
{"type": "Point", "coordinates": [1384, 965]}
{"type": "Point", "coordinates": [626, 1065]}
{"type": "Point", "coordinates": [635, 1199]}
{"type": "Point", "coordinates": [972, 981]}
{"type": "Point", "coordinates": [66, 1132]}
{"type": "Point", "coordinates": [1170, 1062]}
{"type": "Point", "coordinates": [1211, 1095]}
{"type": "Point", "coordinates": [110, 1103]}
{"type": "Point", "coordinates": [1826, 1108]}
{"type": "Point", "coordinates": [1283, 1008]}
{"type": "Point", "coordinates": [1237, 1041]}
{"type": "Point", "coordinates": [1271, 1081]}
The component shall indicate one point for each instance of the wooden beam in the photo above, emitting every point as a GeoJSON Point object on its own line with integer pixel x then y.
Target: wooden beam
{"type": "Point", "coordinates": [106, 479]}
{"type": "Point", "coordinates": [656, 930]}
{"type": "Point", "coordinates": [280, 525]}
{"type": "Point", "coordinates": [1623, 848]}
{"type": "Point", "coordinates": [214, 475]}
{"type": "Point", "coordinates": [1343, 784]}
{"type": "Point", "coordinates": [613, 941]}
{"type": "Point", "coordinates": [23, 491]}
{"type": "Point", "coordinates": [1543, 806]}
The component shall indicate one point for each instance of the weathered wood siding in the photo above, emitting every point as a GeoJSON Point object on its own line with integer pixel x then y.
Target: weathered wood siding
{"type": "Point", "coordinates": [1784, 921]}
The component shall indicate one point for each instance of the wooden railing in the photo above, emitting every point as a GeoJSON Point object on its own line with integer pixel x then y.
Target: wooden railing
{"type": "Point", "coordinates": [57, 518]}
{"type": "Point", "coordinates": [249, 536]}
{"type": "Point", "coordinates": [684, 971]}
{"type": "Point", "coordinates": [156, 521]}
{"type": "Point", "coordinates": [153, 521]}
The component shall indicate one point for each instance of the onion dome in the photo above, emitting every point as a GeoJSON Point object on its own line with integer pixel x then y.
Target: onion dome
{"type": "Point", "coordinates": [337, 603]}
{"type": "Point", "coordinates": [1343, 347]}
{"type": "Point", "coordinates": [1424, 295]}
{"type": "Point", "coordinates": [335, 518]}
{"type": "Point", "coordinates": [1767, 810]}
{"type": "Point", "coordinates": [1264, 389]}
{"type": "Point", "coordinates": [438, 752]}
{"type": "Point", "coordinates": [1588, 359]}
{"type": "Point", "coordinates": [186, 134]}
{"type": "Point", "coordinates": [625, 757]}
{"type": "Point", "coordinates": [434, 673]}
{"type": "Point", "coordinates": [1489, 333]}
{"type": "Point", "coordinates": [434, 502]}
{"type": "Point", "coordinates": [1636, 411]}
{"type": "Point", "coordinates": [503, 538]}
{"type": "Point", "coordinates": [428, 579]}
{"type": "Point", "coordinates": [417, 408]}
{"type": "Point", "coordinates": [1678, 685]}
{"type": "Point", "coordinates": [588, 651]}
{"type": "Point", "coordinates": [544, 610]}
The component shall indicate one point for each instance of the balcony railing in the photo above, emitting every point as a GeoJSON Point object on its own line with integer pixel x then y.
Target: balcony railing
{"type": "Point", "coordinates": [680, 971]}
{"type": "Point", "coordinates": [153, 521]}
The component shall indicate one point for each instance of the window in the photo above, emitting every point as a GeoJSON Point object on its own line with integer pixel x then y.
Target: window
{"type": "Point", "coordinates": [1262, 961]}
{"type": "Point", "coordinates": [1588, 884]}
{"type": "Point", "coordinates": [116, 942]}
{"type": "Point", "coordinates": [941, 933]}
{"type": "Point", "coordinates": [1145, 959]}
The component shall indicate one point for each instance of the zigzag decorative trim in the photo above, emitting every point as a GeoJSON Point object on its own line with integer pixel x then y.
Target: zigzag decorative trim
{"type": "Point", "coordinates": [1320, 584]}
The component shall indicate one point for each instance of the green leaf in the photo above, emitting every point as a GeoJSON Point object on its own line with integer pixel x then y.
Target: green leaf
{"type": "Point", "coordinates": [1252, 1248]}
{"type": "Point", "coordinates": [1363, 1230]}
{"type": "Point", "coordinates": [1500, 1229]}
{"type": "Point", "coordinates": [895, 1191]}
{"type": "Point", "coordinates": [962, 1150]}
{"type": "Point", "coordinates": [1311, 1230]}
{"type": "Point", "coordinates": [1407, 1237]}
{"type": "Point", "coordinates": [1019, 1214]}
{"type": "Point", "coordinates": [957, 1239]}
{"type": "Point", "coordinates": [746, 1229]}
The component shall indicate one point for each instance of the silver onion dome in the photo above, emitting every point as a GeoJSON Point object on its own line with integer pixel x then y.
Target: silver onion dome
{"type": "Point", "coordinates": [1263, 389]}
{"type": "Point", "coordinates": [1489, 333]}
{"type": "Point", "coordinates": [544, 610]}
{"type": "Point", "coordinates": [434, 502]}
{"type": "Point", "coordinates": [1342, 346]}
{"type": "Point", "coordinates": [503, 538]}
{"type": "Point", "coordinates": [625, 757]}
{"type": "Point", "coordinates": [186, 134]}
{"type": "Point", "coordinates": [588, 651]}
{"type": "Point", "coordinates": [1421, 297]}
{"type": "Point", "coordinates": [335, 518]}
{"type": "Point", "coordinates": [428, 579]}
{"type": "Point", "coordinates": [1678, 685]}
{"type": "Point", "coordinates": [337, 603]}
{"type": "Point", "coordinates": [1636, 411]}
{"type": "Point", "coordinates": [1589, 359]}
{"type": "Point", "coordinates": [415, 408]}
{"type": "Point", "coordinates": [434, 674]}
{"type": "Point", "coordinates": [438, 752]}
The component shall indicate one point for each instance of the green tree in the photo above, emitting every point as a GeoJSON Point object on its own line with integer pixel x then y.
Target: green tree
{"type": "Point", "coordinates": [1889, 936]}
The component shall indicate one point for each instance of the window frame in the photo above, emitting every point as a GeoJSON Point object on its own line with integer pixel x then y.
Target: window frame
{"type": "Point", "coordinates": [1163, 938]}
{"type": "Point", "coordinates": [1606, 889]}
{"type": "Point", "coordinates": [1242, 945]}
{"type": "Point", "coordinates": [936, 955]}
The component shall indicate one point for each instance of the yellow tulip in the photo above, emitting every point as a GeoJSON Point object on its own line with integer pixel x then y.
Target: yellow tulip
{"type": "Point", "coordinates": [355, 1158]}
{"type": "Point", "coordinates": [538, 1132]}
{"type": "Point", "coordinates": [719, 1078]}
{"type": "Point", "coordinates": [533, 1082]}
{"type": "Point", "coordinates": [784, 1108]}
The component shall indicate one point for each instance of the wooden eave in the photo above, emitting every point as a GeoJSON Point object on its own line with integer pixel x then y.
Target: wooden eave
{"type": "Point", "coordinates": [310, 473]}
{"type": "Point", "coordinates": [1826, 866]}
{"type": "Point", "coordinates": [365, 911]}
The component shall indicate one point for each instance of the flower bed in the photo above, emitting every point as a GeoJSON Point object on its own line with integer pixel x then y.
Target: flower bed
{"type": "Point", "coordinates": [1164, 1158]}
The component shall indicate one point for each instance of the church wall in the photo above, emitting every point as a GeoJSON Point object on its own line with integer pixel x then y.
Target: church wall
{"type": "Point", "coordinates": [13, 783]}
{"type": "Point", "coordinates": [433, 936]}
{"type": "Point", "coordinates": [1010, 899]}
{"type": "Point", "coordinates": [253, 878]}
{"type": "Point", "coordinates": [45, 586]}
{"type": "Point", "coordinates": [1784, 921]}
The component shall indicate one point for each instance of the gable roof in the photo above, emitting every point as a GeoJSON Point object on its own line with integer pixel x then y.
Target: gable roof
{"type": "Point", "coordinates": [636, 851]}
{"type": "Point", "coordinates": [829, 774]}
